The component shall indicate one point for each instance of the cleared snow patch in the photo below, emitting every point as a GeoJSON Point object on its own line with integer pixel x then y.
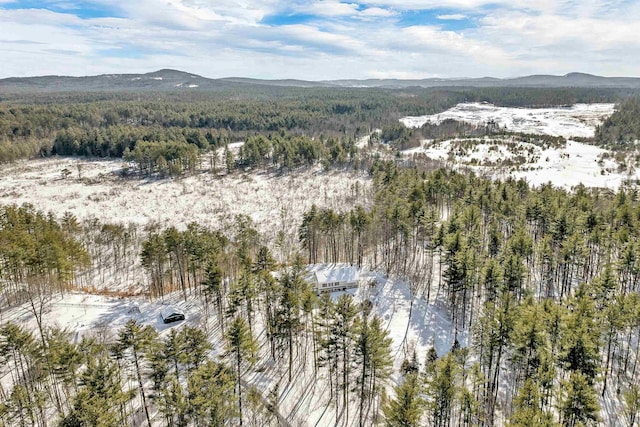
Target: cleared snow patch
{"type": "Point", "coordinates": [87, 315]}
{"type": "Point", "coordinates": [579, 120]}
{"type": "Point", "coordinates": [575, 163]}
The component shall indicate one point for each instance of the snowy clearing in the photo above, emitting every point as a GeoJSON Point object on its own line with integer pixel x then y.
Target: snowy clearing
{"type": "Point", "coordinates": [575, 163]}
{"type": "Point", "coordinates": [579, 120]}
{"type": "Point", "coordinates": [95, 190]}
{"type": "Point", "coordinates": [100, 315]}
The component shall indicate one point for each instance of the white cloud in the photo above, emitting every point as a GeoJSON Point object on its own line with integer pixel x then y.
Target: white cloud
{"type": "Point", "coordinates": [452, 17]}
{"type": "Point", "coordinates": [330, 8]}
{"type": "Point", "coordinates": [313, 36]}
{"type": "Point", "coordinates": [378, 12]}
{"type": "Point", "coordinates": [342, 40]}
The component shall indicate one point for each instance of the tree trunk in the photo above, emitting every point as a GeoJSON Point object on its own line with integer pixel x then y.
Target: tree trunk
{"type": "Point", "coordinates": [141, 386]}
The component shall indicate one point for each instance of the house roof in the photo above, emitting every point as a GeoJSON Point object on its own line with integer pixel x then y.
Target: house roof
{"type": "Point", "coordinates": [333, 274]}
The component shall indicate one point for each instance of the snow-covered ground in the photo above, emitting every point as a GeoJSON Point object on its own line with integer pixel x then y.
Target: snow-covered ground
{"type": "Point", "coordinates": [94, 190]}
{"type": "Point", "coordinates": [305, 401]}
{"type": "Point", "coordinates": [538, 163]}
{"type": "Point", "coordinates": [100, 315]}
{"type": "Point", "coordinates": [578, 120]}
{"type": "Point", "coordinates": [564, 167]}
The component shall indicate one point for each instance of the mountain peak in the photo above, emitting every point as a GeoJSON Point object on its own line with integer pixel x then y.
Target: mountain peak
{"type": "Point", "coordinates": [168, 72]}
{"type": "Point", "coordinates": [578, 75]}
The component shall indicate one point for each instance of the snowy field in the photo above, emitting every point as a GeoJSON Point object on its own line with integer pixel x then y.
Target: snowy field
{"type": "Point", "coordinates": [95, 190]}
{"type": "Point", "coordinates": [501, 157]}
{"type": "Point", "coordinates": [578, 120]}
{"type": "Point", "coordinates": [564, 167]}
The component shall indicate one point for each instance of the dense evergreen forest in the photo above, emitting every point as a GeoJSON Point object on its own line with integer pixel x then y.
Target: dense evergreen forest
{"type": "Point", "coordinates": [544, 281]}
{"type": "Point", "coordinates": [104, 125]}
{"type": "Point", "coordinates": [622, 130]}
{"type": "Point", "coordinates": [541, 285]}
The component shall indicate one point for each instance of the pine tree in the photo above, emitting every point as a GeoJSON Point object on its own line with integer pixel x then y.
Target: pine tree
{"type": "Point", "coordinates": [441, 389]}
{"type": "Point", "coordinates": [579, 340]}
{"type": "Point", "coordinates": [173, 404]}
{"type": "Point", "coordinates": [64, 361]}
{"type": "Point", "coordinates": [101, 399]}
{"type": "Point", "coordinates": [196, 346]}
{"type": "Point", "coordinates": [135, 340]}
{"type": "Point", "coordinates": [214, 289]}
{"type": "Point", "coordinates": [631, 397]}
{"type": "Point", "coordinates": [288, 316]}
{"type": "Point", "coordinates": [22, 352]}
{"type": "Point", "coordinates": [579, 405]}
{"type": "Point", "coordinates": [209, 388]}
{"type": "Point", "coordinates": [241, 347]}
{"type": "Point", "coordinates": [154, 258]}
{"type": "Point", "coordinates": [229, 159]}
{"type": "Point", "coordinates": [343, 332]}
{"type": "Point", "coordinates": [527, 338]}
{"type": "Point", "coordinates": [327, 355]}
{"type": "Point", "coordinates": [373, 358]}
{"type": "Point", "coordinates": [407, 408]}
{"type": "Point", "coordinates": [527, 408]}
{"type": "Point", "coordinates": [265, 263]}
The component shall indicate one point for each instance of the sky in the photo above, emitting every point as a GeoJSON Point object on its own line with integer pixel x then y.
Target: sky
{"type": "Point", "coordinates": [321, 39]}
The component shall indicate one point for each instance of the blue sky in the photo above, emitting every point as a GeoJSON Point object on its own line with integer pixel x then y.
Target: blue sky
{"type": "Point", "coordinates": [320, 39]}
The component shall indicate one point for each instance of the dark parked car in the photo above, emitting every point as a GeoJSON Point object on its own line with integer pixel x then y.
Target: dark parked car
{"type": "Point", "coordinates": [171, 314]}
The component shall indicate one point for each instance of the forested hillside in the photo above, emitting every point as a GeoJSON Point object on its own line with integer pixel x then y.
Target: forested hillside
{"type": "Point", "coordinates": [622, 130]}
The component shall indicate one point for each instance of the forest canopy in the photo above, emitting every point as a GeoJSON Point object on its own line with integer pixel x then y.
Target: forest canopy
{"type": "Point", "coordinates": [104, 124]}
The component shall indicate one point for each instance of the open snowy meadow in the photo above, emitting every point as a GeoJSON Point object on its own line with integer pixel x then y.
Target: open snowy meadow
{"type": "Point", "coordinates": [95, 189]}
{"type": "Point", "coordinates": [578, 120]}
{"type": "Point", "coordinates": [501, 156]}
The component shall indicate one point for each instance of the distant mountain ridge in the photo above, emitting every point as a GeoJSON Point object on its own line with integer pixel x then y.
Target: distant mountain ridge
{"type": "Point", "coordinates": [541, 80]}
{"type": "Point", "coordinates": [168, 79]}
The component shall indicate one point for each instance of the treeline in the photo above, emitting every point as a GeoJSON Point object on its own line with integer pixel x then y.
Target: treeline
{"type": "Point", "coordinates": [288, 151]}
{"type": "Point", "coordinates": [36, 252]}
{"type": "Point", "coordinates": [113, 141]}
{"type": "Point", "coordinates": [548, 97]}
{"type": "Point", "coordinates": [81, 124]}
{"type": "Point", "coordinates": [164, 158]}
{"type": "Point", "coordinates": [403, 138]}
{"type": "Point", "coordinates": [545, 281]}
{"type": "Point", "coordinates": [281, 151]}
{"type": "Point", "coordinates": [621, 130]}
